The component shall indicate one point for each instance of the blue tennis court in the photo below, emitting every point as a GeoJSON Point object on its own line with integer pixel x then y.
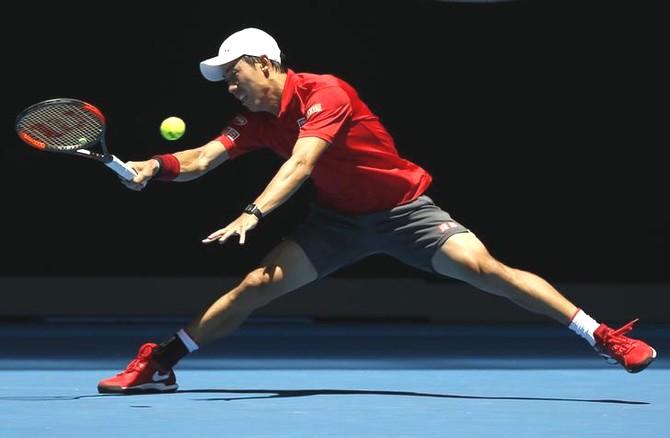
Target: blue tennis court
{"type": "Point", "coordinates": [295, 378]}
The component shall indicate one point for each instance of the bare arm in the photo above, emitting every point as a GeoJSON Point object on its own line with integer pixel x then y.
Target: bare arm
{"type": "Point", "coordinates": [194, 163]}
{"type": "Point", "coordinates": [292, 173]}
{"type": "Point", "coordinates": [286, 181]}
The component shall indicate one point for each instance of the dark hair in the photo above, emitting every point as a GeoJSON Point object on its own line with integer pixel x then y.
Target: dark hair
{"type": "Point", "coordinates": [280, 67]}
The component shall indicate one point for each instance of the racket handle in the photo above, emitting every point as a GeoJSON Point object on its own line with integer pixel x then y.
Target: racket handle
{"type": "Point", "coordinates": [118, 166]}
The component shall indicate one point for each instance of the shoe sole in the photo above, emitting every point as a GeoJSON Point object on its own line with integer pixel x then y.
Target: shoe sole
{"type": "Point", "coordinates": [147, 388]}
{"type": "Point", "coordinates": [644, 364]}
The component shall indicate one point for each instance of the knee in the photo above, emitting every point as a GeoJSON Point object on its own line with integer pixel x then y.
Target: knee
{"type": "Point", "coordinates": [257, 287]}
{"type": "Point", "coordinates": [262, 278]}
{"type": "Point", "coordinates": [482, 263]}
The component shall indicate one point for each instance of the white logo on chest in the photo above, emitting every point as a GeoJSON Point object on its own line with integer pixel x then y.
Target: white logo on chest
{"type": "Point", "coordinates": [313, 109]}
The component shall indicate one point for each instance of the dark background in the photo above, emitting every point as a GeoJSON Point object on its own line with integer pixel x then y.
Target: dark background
{"type": "Point", "coordinates": [541, 123]}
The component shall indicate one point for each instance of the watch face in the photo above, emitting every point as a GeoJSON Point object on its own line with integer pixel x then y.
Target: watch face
{"type": "Point", "coordinates": [252, 209]}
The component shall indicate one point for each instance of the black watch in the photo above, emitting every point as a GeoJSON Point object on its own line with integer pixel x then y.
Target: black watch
{"type": "Point", "coordinates": [252, 209]}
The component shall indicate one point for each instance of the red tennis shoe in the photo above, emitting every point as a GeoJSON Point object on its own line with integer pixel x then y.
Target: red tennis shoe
{"type": "Point", "coordinates": [142, 375]}
{"type": "Point", "coordinates": [633, 354]}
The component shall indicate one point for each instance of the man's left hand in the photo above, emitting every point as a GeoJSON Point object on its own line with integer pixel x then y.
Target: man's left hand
{"type": "Point", "coordinates": [239, 226]}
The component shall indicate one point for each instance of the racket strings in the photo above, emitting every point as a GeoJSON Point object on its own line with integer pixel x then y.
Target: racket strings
{"type": "Point", "coordinates": [62, 126]}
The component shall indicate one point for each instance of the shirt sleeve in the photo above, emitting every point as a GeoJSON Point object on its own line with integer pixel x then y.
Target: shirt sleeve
{"type": "Point", "coordinates": [242, 135]}
{"type": "Point", "coordinates": [327, 110]}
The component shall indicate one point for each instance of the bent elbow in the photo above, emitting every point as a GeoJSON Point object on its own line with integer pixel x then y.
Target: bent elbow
{"type": "Point", "coordinates": [204, 163]}
{"type": "Point", "coordinates": [304, 169]}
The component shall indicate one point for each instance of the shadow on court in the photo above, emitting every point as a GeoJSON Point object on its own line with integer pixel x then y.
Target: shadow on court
{"type": "Point", "coordinates": [283, 393]}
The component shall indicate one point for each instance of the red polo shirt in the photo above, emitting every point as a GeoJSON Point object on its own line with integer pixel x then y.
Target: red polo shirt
{"type": "Point", "coordinates": [360, 172]}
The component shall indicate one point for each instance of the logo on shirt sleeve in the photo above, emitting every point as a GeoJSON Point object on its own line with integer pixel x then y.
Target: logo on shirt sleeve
{"type": "Point", "coordinates": [231, 133]}
{"type": "Point", "coordinates": [313, 110]}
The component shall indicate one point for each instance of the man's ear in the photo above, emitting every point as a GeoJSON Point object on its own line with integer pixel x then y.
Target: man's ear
{"type": "Point", "coordinates": [265, 65]}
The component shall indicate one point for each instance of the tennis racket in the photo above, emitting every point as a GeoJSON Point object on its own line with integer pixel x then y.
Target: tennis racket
{"type": "Point", "coordinates": [69, 126]}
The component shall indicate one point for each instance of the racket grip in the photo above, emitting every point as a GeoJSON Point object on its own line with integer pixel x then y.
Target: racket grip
{"type": "Point", "coordinates": [118, 166]}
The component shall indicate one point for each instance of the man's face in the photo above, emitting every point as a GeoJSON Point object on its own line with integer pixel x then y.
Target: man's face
{"type": "Point", "coordinates": [248, 84]}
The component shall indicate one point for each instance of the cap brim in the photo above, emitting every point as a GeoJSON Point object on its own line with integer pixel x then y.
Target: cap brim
{"type": "Point", "coordinates": [212, 68]}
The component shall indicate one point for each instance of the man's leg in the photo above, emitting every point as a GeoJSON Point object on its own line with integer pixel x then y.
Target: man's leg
{"type": "Point", "coordinates": [283, 270]}
{"type": "Point", "coordinates": [463, 256]}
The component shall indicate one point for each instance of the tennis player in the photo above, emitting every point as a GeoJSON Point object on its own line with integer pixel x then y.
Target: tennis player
{"type": "Point", "coordinates": [369, 200]}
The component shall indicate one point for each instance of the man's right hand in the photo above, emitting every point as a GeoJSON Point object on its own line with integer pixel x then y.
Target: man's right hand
{"type": "Point", "coordinates": [145, 171]}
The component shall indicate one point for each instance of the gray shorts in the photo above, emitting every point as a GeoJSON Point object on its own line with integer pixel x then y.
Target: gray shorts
{"type": "Point", "coordinates": [411, 233]}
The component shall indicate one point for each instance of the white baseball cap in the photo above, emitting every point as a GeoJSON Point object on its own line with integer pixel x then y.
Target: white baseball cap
{"type": "Point", "coordinates": [249, 41]}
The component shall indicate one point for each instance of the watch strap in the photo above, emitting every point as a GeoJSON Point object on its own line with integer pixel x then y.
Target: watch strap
{"type": "Point", "coordinates": [253, 209]}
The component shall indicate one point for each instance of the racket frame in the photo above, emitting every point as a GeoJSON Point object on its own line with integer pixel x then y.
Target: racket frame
{"type": "Point", "coordinates": [81, 148]}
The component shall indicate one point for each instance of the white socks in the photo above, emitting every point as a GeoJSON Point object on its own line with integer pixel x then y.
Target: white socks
{"type": "Point", "coordinates": [190, 344]}
{"type": "Point", "coordinates": [584, 326]}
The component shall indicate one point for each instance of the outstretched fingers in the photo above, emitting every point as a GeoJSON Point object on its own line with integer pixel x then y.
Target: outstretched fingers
{"type": "Point", "coordinates": [239, 226]}
{"type": "Point", "coordinates": [223, 235]}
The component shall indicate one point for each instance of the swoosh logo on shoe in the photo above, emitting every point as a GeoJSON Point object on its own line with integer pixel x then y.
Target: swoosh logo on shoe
{"type": "Point", "coordinates": [158, 377]}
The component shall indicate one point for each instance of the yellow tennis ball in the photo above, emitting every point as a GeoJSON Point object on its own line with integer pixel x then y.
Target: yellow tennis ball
{"type": "Point", "coordinates": [172, 128]}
